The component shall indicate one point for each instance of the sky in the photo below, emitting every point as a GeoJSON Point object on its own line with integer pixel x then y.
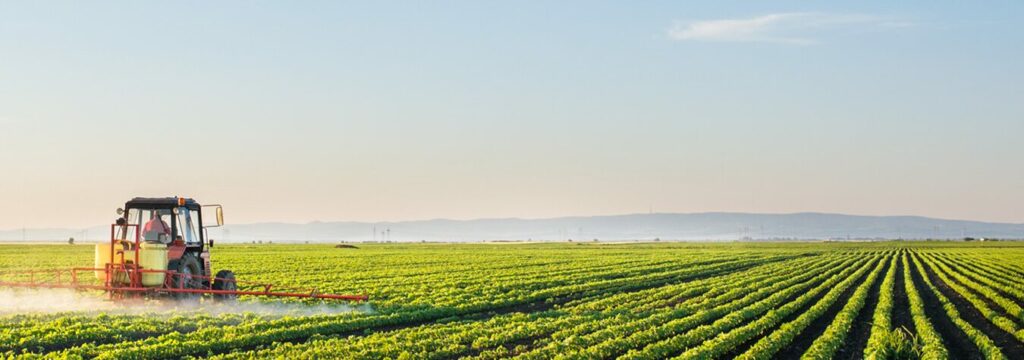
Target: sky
{"type": "Point", "coordinates": [388, 111]}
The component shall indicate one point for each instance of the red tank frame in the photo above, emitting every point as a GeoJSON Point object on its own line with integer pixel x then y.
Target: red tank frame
{"type": "Point", "coordinates": [69, 279]}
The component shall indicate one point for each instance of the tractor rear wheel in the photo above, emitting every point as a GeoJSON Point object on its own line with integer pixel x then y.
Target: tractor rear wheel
{"type": "Point", "coordinates": [225, 280]}
{"type": "Point", "coordinates": [188, 277]}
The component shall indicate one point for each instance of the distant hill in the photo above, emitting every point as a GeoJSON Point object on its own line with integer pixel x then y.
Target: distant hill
{"type": "Point", "coordinates": [697, 226]}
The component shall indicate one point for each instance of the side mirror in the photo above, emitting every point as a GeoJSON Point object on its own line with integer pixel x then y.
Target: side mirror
{"type": "Point", "coordinates": [120, 211]}
{"type": "Point", "coordinates": [218, 215]}
{"type": "Point", "coordinates": [211, 242]}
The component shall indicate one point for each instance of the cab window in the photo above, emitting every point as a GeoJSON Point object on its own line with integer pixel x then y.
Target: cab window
{"type": "Point", "coordinates": [187, 225]}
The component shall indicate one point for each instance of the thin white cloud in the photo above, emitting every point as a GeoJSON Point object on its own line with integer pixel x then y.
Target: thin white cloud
{"type": "Point", "coordinates": [783, 28]}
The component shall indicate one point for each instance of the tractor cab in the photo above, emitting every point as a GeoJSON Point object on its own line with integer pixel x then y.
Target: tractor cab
{"type": "Point", "coordinates": [173, 234]}
{"type": "Point", "coordinates": [171, 221]}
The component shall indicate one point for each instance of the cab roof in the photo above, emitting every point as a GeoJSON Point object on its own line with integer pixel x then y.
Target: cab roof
{"type": "Point", "coordinates": [159, 203]}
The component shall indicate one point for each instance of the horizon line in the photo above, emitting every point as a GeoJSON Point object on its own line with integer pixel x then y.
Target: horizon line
{"type": "Point", "coordinates": [561, 217]}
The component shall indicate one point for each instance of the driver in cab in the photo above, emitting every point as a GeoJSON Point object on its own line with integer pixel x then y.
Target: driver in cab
{"type": "Point", "coordinates": [156, 227]}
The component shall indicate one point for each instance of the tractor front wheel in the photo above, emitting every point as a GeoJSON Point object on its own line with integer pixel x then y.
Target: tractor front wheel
{"type": "Point", "coordinates": [225, 280]}
{"type": "Point", "coordinates": [188, 277]}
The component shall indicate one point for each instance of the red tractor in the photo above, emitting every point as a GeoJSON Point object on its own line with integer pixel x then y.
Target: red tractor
{"type": "Point", "coordinates": [160, 248]}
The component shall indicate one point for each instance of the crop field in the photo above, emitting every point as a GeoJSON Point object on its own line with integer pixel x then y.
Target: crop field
{"type": "Point", "coordinates": [931, 300]}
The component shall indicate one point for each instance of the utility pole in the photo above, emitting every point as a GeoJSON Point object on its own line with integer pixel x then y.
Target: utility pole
{"type": "Point", "coordinates": [389, 234]}
{"type": "Point", "coordinates": [375, 233]}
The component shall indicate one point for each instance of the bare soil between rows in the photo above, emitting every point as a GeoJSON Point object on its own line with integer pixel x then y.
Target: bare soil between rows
{"type": "Point", "coordinates": [901, 317]}
{"type": "Point", "coordinates": [1009, 344]}
{"type": "Point", "coordinates": [819, 325]}
{"type": "Point", "coordinates": [736, 351]}
{"type": "Point", "coordinates": [860, 331]}
{"type": "Point", "coordinates": [955, 340]}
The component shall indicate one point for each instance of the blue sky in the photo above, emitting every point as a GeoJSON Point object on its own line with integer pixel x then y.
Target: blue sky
{"type": "Point", "coordinates": [305, 111]}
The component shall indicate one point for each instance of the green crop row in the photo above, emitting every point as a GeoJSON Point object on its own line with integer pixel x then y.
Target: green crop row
{"type": "Point", "coordinates": [881, 322]}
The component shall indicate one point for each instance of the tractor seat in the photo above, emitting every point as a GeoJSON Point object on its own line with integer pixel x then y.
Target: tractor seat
{"type": "Point", "coordinates": [154, 236]}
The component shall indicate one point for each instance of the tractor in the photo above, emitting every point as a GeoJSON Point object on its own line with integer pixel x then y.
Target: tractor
{"type": "Point", "coordinates": [175, 248]}
{"type": "Point", "coordinates": [159, 248]}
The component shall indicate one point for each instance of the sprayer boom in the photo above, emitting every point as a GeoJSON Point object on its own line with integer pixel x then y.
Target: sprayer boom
{"type": "Point", "coordinates": [73, 279]}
